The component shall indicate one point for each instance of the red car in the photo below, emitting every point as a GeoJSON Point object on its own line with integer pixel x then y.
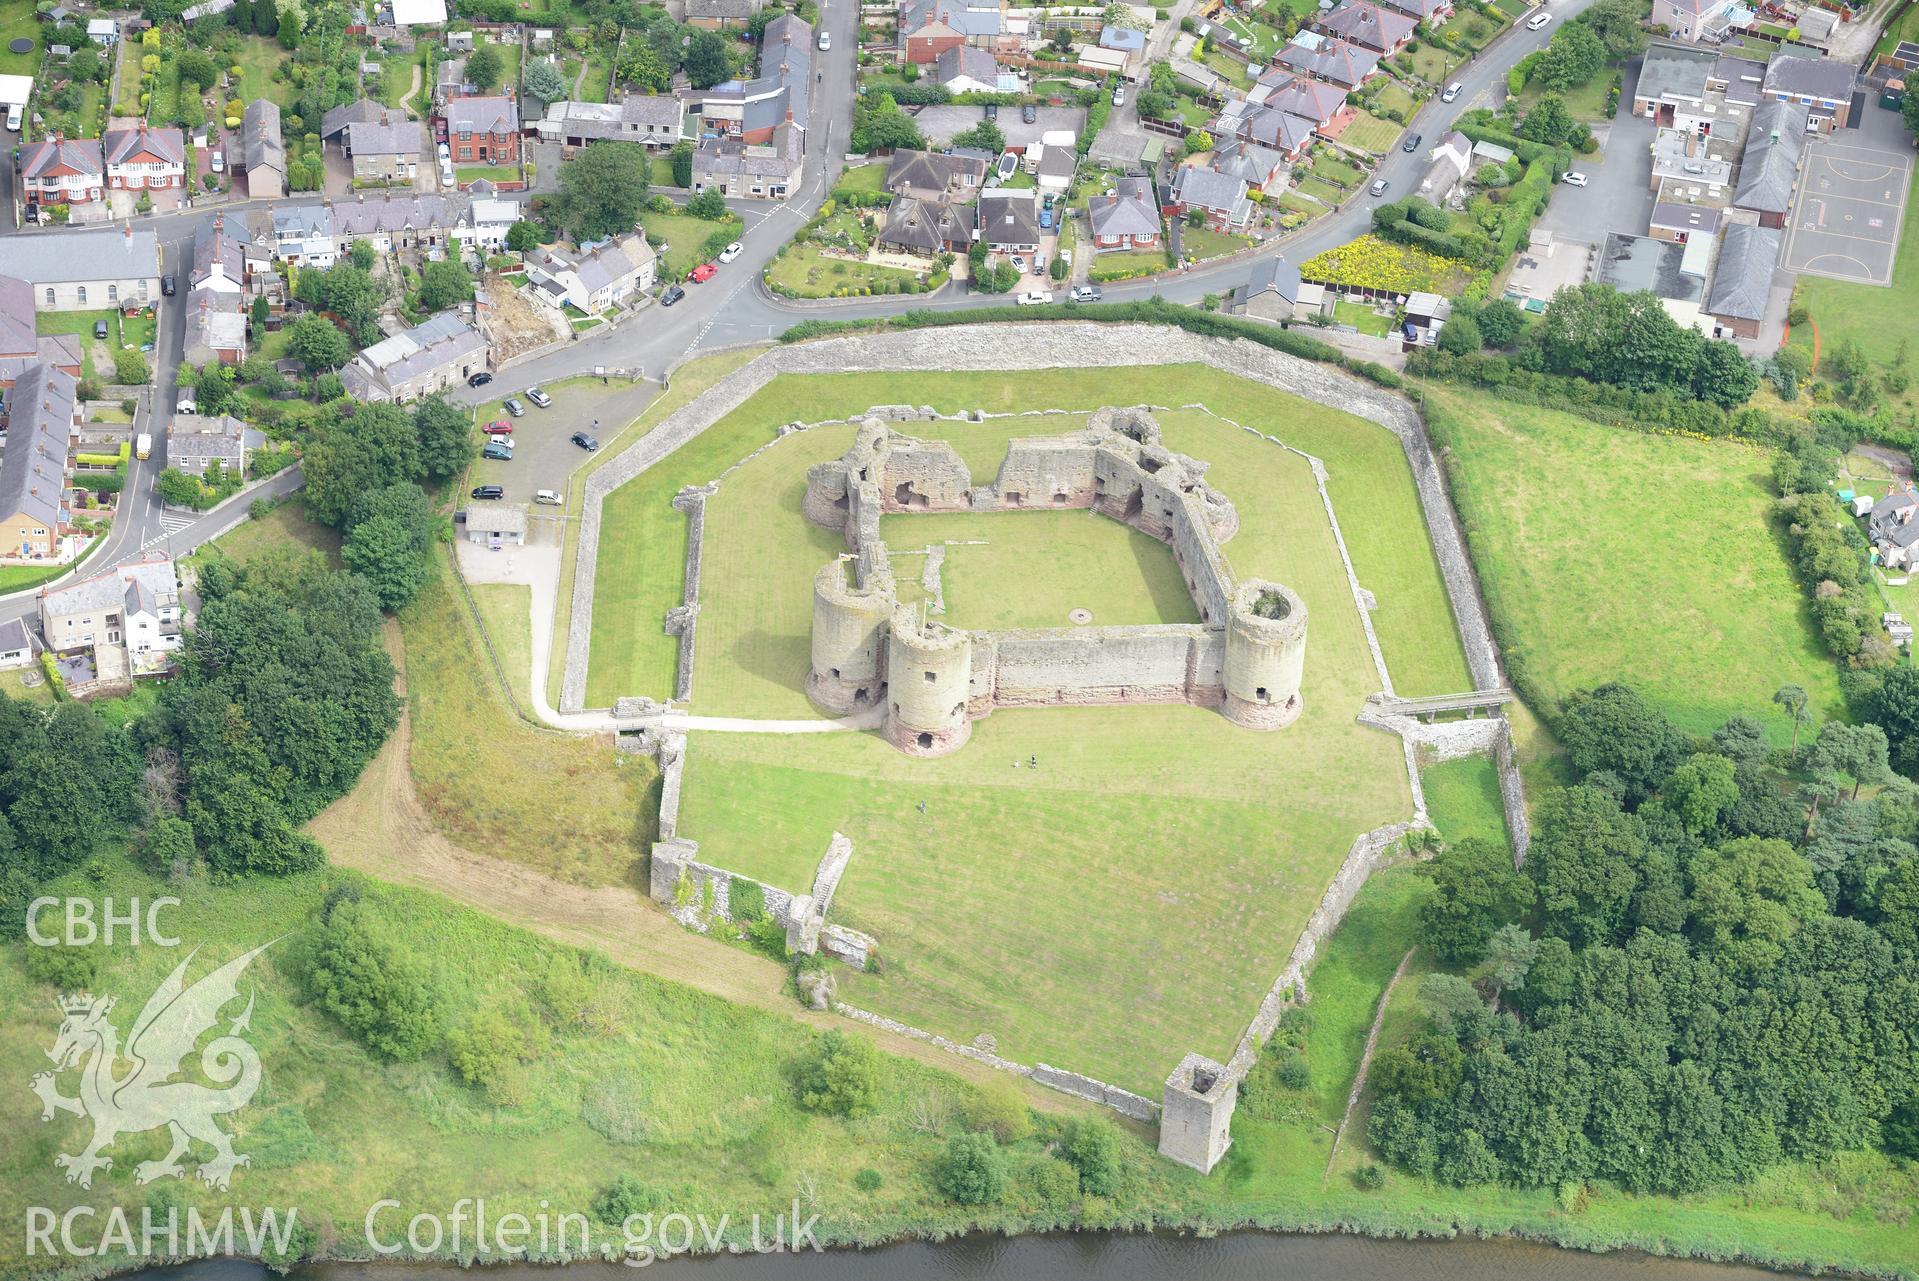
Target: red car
{"type": "Point", "coordinates": [704, 272]}
{"type": "Point", "coordinates": [498, 427]}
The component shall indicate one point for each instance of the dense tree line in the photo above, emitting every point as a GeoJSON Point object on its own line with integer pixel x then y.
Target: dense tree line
{"type": "Point", "coordinates": [1709, 963]}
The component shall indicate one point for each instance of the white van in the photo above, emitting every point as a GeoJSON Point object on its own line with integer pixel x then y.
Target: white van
{"type": "Point", "coordinates": [143, 446]}
{"type": "Point", "coordinates": [13, 118]}
{"type": "Point", "coordinates": [1537, 21]}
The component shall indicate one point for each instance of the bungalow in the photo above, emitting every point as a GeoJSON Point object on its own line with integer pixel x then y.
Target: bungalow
{"type": "Point", "coordinates": [483, 131]}
{"type": "Point", "coordinates": [1334, 61]}
{"type": "Point", "coordinates": [21, 345]}
{"type": "Point", "coordinates": [1769, 164]}
{"type": "Point", "coordinates": [262, 151]}
{"type": "Point", "coordinates": [967, 69]}
{"type": "Point", "coordinates": [385, 150]}
{"type": "Point", "coordinates": [429, 357]}
{"type": "Point", "coordinates": [143, 159]}
{"type": "Point", "coordinates": [216, 329]}
{"type": "Point", "coordinates": [1126, 219]}
{"type": "Point", "coordinates": [16, 644]}
{"type": "Point", "coordinates": [927, 227]}
{"type": "Point", "coordinates": [491, 523]}
{"type": "Point", "coordinates": [1009, 221]}
{"type": "Point", "coordinates": [1369, 26]}
{"type": "Point", "coordinates": [1313, 100]}
{"type": "Point", "coordinates": [935, 175]}
{"type": "Point", "coordinates": [58, 171]}
{"type": "Point", "coordinates": [1822, 85]}
{"type": "Point", "coordinates": [129, 618]}
{"type": "Point", "coordinates": [1220, 198]}
{"type": "Point", "coordinates": [42, 410]}
{"type": "Point", "coordinates": [1056, 167]}
{"type": "Point", "coordinates": [594, 279]}
{"type": "Point", "coordinates": [1742, 282]}
{"type": "Point", "coordinates": [196, 445]}
{"type": "Point", "coordinates": [82, 270]}
{"type": "Point", "coordinates": [1274, 291]}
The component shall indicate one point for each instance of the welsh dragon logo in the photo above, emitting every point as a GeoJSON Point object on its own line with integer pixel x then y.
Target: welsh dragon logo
{"type": "Point", "coordinates": [147, 1097]}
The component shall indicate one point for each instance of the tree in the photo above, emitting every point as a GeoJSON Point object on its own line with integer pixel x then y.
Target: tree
{"type": "Point", "coordinates": [1476, 890]}
{"type": "Point", "coordinates": [85, 66]}
{"type": "Point", "coordinates": [843, 1077]}
{"type": "Point", "coordinates": [179, 489]}
{"type": "Point", "coordinates": [390, 543]}
{"type": "Point", "coordinates": [1618, 25]}
{"type": "Point", "coordinates": [1792, 699]}
{"type": "Point", "coordinates": [444, 284]}
{"type": "Point", "coordinates": [1909, 111]}
{"type": "Point", "coordinates": [169, 843]}
{"type": "Point", "coordinates": [1460, 335]}
{"type": "Point", "coordinates": [1700, 791]}
{"type": "Point", "coordinates": [1062, 41]}
{"type": "Point", "coordinates": [1725, 377]}
{"type": "Point", "coordinates": [197, 69]}
{"type": "Point", "coordinates": [130, 367]}
{"type": "Point", "coordinates": [446, 438]}
{"type": "Point", "coordinates": [1613, 728]}
{"type": "Point", "coordinates": [350, 294]}
{"type": "Point", "coordinates": [602, 190]}
{"type": "Point", "coordinates": [708, 60]}
{"type": "Point", "coordinates": [485, 67]}
{"type": "Point", "coordinates": [317, 343]}
{"type": "Point", "coordinates": [360, 254]}
{"type": "Point", "coordinates": [1858, 752]}
{"type": "Point", "coordinates": [1748, 897]}
{"type": "Point", "coordinates": [379, 992]}
{"type": "Point", "coordinates": [1093, 1148]}
{"type": "Point", "coordinates": [972, 1171]}
{"type": "Point", "coordinates": [213, 388]}
{"type": "Point", "coordinates": [523, 237]}
{"type": "Point", "coordinates": [1584, 860]}
{"type": "Point", "coordinates": [879, 125]}
{"type": "Point", "coordinates": [681, 158]}
{"type": "Point", "coordinates": [641, 64]}
{"type": "Point", "coordinates": [543, 80]}
{"type": "Point", "coordinates": [709, 204]}
{"type": "Point", "coordinates": [377, 446]}
{"type": "Point", "coordinates": [1500, 322]}
{"type": "Point", "coordinates": [986, 135]}
{"type": "Point", "coordinates": [1510, 954]}
{"type": "Point", "coordinates": [1897, 906]}
{"type": "Point", "coordinates": [1548, 122]}
{"type": "Point", "coordinates": [1571, 58]}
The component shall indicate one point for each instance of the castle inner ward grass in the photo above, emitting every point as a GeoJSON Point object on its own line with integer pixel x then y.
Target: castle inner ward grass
{"type": "Point", "coordinates": [1132, 898]}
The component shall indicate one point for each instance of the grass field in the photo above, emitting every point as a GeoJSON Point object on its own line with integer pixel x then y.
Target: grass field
{"type": "Point", "coordinates": [1669, 578]}
{"type": "Point", "coordinates": [1122, 575]}
{"type": "Point", "coordinates": [1371, 133]}
{"type": "Point", "coordinates": [96, 357]}
{"type": "Point", "coordinates": [286, 525]}
{"type": "Point", "coordinates": [681, 238]}
{"type": "Point", "coordinates": [1462, 797]}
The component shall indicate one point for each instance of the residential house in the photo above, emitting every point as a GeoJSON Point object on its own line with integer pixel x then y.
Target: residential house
{"type": "Point", "coordinates": [1222, 199]}
{"type": "Point", "coordinates": [927, 227]}
{"type": "Point", "coordinates": [77, 270]}
{"type": "Point", "coordinates": [1323, 104]}
{"type": "Point", "coordinates": [718, 15]}
{"type": "Point", "coordinates": [1431, 12]}
{"type": "Point", "coordinates": [219, 262]}
{"type": "Point", "coordinates": [127, 621]}
{"type": "Point", "coordinates": [1891, 529]}
{"type": "Point", "coordinates": [1126, 219]}
{"type": "Point", "coordinates": [1742, 282]}
{"type": "Point", "coordinates": [263, 153]}
{"type": "Point", "coordinates": [1056, 167]}
{"type": "Point", "coordinates": [198, 445]}
{"type": "Point", "coordinates": [1337, 62]}
{"type": "Point", "coordinates": [1701, 20]}
{"type": "Point", "coordinates": [418, 13]}
{"type": "Point", "coordinates": [143, 159]}
{"type": "Point", "coordinates": [1280, 131]}
{"type": "Point", "coordinates": [59, 171]}
{"type": "Point", "coordinates": [385, 150]}
{"type": "Point", "coordinates": [653, 120]}
{"type": "Point", "coordinates": [935, 175]}
{"type": "Point", "coordinates": [333, 125]}
{"type": "Point", "coordinates": [1009, 221]}
{"type": "Point", "coordinates": [216, 331]}
{"type": "Point", "coordinates": [595, 278]}
{"type": "Point", "coordinates": [764, 171]}
{"type": "Point", "coordinates": [1769, 163]}
{"type": "Point", "coordinates": [1261, 168]}
{"type": "Point", "coordinates": [16, 644]}
{"type": "Point", "coordinates": [489, 221]}
{"type": "Point", "coordinates": [42, 410]}
{"type": "Point", "coordinates": [1273, 291]}
{"type": "Point", "coordinates": [1822, 85]}
{"type": "Point", "coordinates": [21, 344]}
{"type": "Point", "coordinates": [1452, 160]}
{"type": "Point", "coordinates": [749, 111]}
{"type": "Point", "coordinates": [1672, 85]}
{"type": "Point", "coordinates": [297, 234]}
{"type": "Point", "coordinates": [483, 131]}
{"type": "Point", "coordinates": [928, 28]}
{"type": "Point", "coordinates": [390, 222]}
{"type": "Point", "coordinates": [1369, 26]}
{"type": "Point", "coordinates": [430, 357]}
{"type": "Point", "coordinates": [967, 69]}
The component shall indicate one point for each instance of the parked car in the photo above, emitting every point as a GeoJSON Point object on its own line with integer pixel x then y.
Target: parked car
{"type": "Point", "coordinates": [480, 379]}
{"type": "Point", "coordinates": [1029, 113]}
{"type": "Point", "coordinates": [672, 295]}
{"type": "Point", "coordinates": [13, 118]}
{"type": "Point", "coordinates": [1538, 20]}
{"type": "Point", "coordinates": [732, 251]}
{"type": "Point", "coordinates": [514, 407]}
{"type": "Point", "coordinates": [1119, 95]}
{"type": "Point", "coordinates": [1412, 143]}
{"type": "Point", "coordinates": [550, 497]}
{"type": "Point", "coordinates": [169, 285]}
{"type": "Point", "coordinates": [1039, 264]}
{"type": "Point", "coordinates": [1452, 93]}
{"type": "Point", "coordinates": [1035, 298]}
{"type": "Point", "coordinates": [1379, 187]}
{"type": "Point", "coordinates": [1046, 218]}
{"type": "Point", "coordinates": [703, 273]}
{"type": "Point", "coordinates": [497, 454]}
{"type": "Point", "coordinates": [1086, 293]}
{"type": "Point", "coordinates": [100, 330]}
{"type": "Point", "coordinates": [219, 162]}
{"type": "Point", "coordinates": [489, 491]}
{"type": "Point", "coordinates": [1019, 263]}
{"type": "Point", "coordinates": [1574, 178]}
{"type": "Point", "coordinates": [539, 397]}
{"type": "Point", "coordinates": [586, 442]}
{"type": "Point", "coordinates": [498, 427]}
{"type": "Point", "coordinates": [992, 111]}
{"type": "Point", "coordinates": [444, 153]}
{"type": "Point", "coordinates": [826, 42]}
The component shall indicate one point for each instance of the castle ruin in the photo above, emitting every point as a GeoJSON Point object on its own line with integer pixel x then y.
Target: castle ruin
{"type": "Point", "coordinates": [1245, 658]}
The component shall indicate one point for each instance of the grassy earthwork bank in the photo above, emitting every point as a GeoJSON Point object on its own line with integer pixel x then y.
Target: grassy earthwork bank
{"type": "Point", "coordinates": [1616, 555]}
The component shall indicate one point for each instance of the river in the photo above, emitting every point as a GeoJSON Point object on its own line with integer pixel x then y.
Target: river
{"type": "Point", "coordinates": [1238, 1256]}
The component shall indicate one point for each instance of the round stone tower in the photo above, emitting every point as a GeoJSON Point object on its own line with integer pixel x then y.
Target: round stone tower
{"type": "Point", "coordinates": [849, 639]}
{"type": "Point", "coordinates": [929, 675]}
{"type": "Point", "coordinates": [1265, 656]}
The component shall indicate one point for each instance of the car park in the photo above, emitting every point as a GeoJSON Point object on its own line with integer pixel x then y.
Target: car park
{"type": "Point", "coordinates": [497, 454]}
{"type": "Point", "coordinates": [1412, 143]}
{"type": "Point", "coordinates": [513, 407]}
{"type": "Point", "coordinates": [498, 427]}
{"type": "Point", "coordinates": [539, 397]}
{"type": "Point", "coordinates": [1574, 178]}
{"type": "Point", "coordinates": [703, 273]}
{"type": "Point", "coordinates": [550, 497]}
{"type": "Point", "coordinates": [672, 295]}
{"type": "Point", "coordinates": [1086, 293]}
{"type": "Point", "coordinates": [732, 251]}
{"type": "Point", "coordinates": [586, 442]}
{"type": "Point", "coordinates": [480, 379]}
{"type": "Point", "coordinates": [1379, 187]}
{"type": "Point", "coordinates": [489, 491]}
{"type": "Point", "coordinates": [169, 285]}
{"type": "Point", "coordinates": [1035, 298]}
{"type": "Point", "coordinates": [1452, 93]}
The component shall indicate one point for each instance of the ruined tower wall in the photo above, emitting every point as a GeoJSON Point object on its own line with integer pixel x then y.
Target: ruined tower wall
{"type": "Point", "coordinates": [1265, 657]}
{"type": "Point", "coordinates": [1172, 663]}
{"type": "Point", "coordinates": [1044, 471]}
{"type": "Point", "coordinates": [929, 669]}
{"type": "Point", "coordinates": [849, 642]}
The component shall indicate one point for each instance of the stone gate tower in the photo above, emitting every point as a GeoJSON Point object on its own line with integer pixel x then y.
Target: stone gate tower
{"type": "Point", "coordinates": [1265, 656]}
{"type": "Point", "coordinates": [1196, 1113]}
{"type": "Point", "coordinates": [929, 674]}
{"type": "Point", "coordinates": [849, 641]}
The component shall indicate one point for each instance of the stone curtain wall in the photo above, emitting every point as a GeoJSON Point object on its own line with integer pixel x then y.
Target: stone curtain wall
{"type": "Point", "coordinates": [684, 621]}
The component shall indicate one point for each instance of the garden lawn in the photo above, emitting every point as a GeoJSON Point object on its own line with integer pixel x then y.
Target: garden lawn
{"type": "Point", "coordinates": [1608, 554]}
{"type": "Point", "coordinates": [1397, 97]}
{"type": "Point", "coordinates": [811, 274]}
{"type": "Point", "coordinates": [868, 179]}
{"type": "Point", "coordinates": [492, 173]}
{"type": "Point", "coordinates": [1586, 102]}
{"type": "Point", "coordinates": [1321, 190]}
{"type": "Point", "coordinates": [681, 238]}
{"type": "Point", "coordinates": [257, 59]}
{"type": "Point", "coordinates": [1231, 68]}
{"type": "Point", "coordinates": [1369, 132]}
{"type": "Point", "coordinates": [1329, 167]}
{"type": "Point", "coordinates": [17, 19]}
{"type": "Point", "coordinates": [96, 358]}
{"type": "Point", "coordinates": [1433, 63]}
{"type": "Point", "coordinates": [1127, 263]}
{"type": "Point", "coordinates": [1200, 243]}
{"type": "Point", "coordinates": [1363, 318]}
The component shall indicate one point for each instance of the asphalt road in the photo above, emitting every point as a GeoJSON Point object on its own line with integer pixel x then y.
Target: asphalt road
{"type": "Point", "coordinates": [733, 308]}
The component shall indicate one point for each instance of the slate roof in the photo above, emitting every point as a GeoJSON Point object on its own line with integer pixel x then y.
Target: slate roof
{"type": "Point", "coordinates": [1769, 165]}
{"type": "Point", "coordinates": [121, 145]}
{"type": "Point", "coordinates": [133, 586]}
{"type": "Point", "coordinates": [931, 170]}
{"type": "Point", "coordinates": [1421, 9]}
{"type": "Point", "coordinates": [391, 138]}
{"type": "Point", "coordinates": [1825, 79]}
{"type": "Point", "coordinates": [260, 136]}
{"type": "Point", "coordinates": [365, 111]}
{"type": "Point", "coordinates": [14, 634]}
{"type": "Point", "coordinates": [969, 61]}
{"type": "Point", "coordinates": [58, 257]}
{"type": "Point", "coordinates": [18, 332]}
{"type": "Point", "coordinates": [1250, 162]}
{"type": "Point", "coordinates": [1748, 255]}
{"type": "Point", "coordinates": [1367, 23]}
{"type": "Point", "coordinates": [81, 155]}
{"type": "Point", "coordinates": [214, 322]}
{"type": "Point", "coordinates": [222, 437]}
{"type": "Point", "coordinates": [1270, 275]}
{"type": "Point", "coordinates": [494, 115]}
{"type": "Point", "coordinates": [926, 226]}
{"type": "Point", "coordinates": [439, 341]}
{"type": "Point", "coordinates": [1309, 99]}
{"type": "Point", "coordinates": [33, 466]}
{"type": "Point", "coordinates": [721, 9]}
{"type": "Point", "coordinates": [1676, 70]}
{"type": "Point", "coordinates": [385, 214]}
{"type": "Point", "coordinates": [652, 109]}
{"type": "Point", "coordinates": [612, 261]}
{"type": "Point", "coordinates": [1339, 61]}
{"type": "Point", "coordinates": [1124, 38]}
{"type": "Point", "coordinates": [966, 19]}
{"type": "Point", "coordinates": [1206, 189]}
{"type": "Point", "coordinates": [1132, 210]}
{"type": "Point", "coordinates": [1007, 219]}
{"type": "Point", "coordinates": [213, 244]}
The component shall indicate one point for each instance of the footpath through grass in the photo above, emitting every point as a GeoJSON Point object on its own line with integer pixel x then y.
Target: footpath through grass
{"type": "Point", "coordinates": [1609, 554]}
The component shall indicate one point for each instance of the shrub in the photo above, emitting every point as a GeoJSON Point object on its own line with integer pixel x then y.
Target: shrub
{"type": "Point", "coordinates": [972, 1171]}
{"type": "Point", "coordinates": [625, 1197]}
{"type": "Point", "coordinates": [843, 1078]}
{"type": "Point", "coordinates": [489, 1043]}
{"type": "Point", "coordinates": [1054, 1182]}
{"type": "Point", "coordinates": [1093, 1148]}
{"type": "Point", "coordinates": [66, 968]}
{"type": "Point", "coordinates": [998, 1110]}
{"type": "Point", "coordinates": [868, 1180]}
{"type": "Point", "coordinates": [1370, 1177]}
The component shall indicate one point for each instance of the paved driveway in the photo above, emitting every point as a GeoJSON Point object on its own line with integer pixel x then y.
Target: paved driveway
{"type": "Point", "coordinates": [544, 455]}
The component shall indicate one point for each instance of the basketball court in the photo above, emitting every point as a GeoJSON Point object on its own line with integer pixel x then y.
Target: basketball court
{"type": "Point", "coordinates": [1845, 225]}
